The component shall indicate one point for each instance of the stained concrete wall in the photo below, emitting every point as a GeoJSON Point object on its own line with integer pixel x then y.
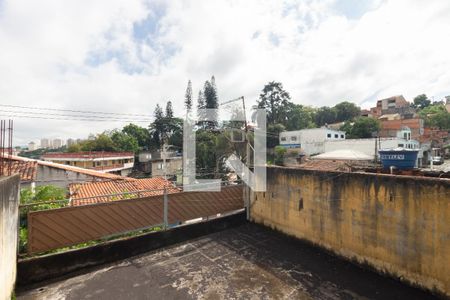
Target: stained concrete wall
{"type": "Point", "coordinates": [399, 225]}
{"type": "Point", "coordinates": [9, 205]}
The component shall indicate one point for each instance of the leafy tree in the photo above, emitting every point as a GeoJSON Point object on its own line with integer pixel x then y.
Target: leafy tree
{"type": "Point", "coordinates": [188, 97]}
{"type": "Point", "coordinates": [141, 134]}
{"type": "Point", "coordinates": [363, 127]}
{"type": "Point", "coordinates": [421, 101]}
{"type": "Point", "coordinates": [299, 117]}
{"type": "Point", "coordinates": [124, 142]}
{"type": "Point", "coordinates": [325, 115]}
{"type": "Point", "coordinates": [346, 111]}
{"type": "Point", "coordinates": [280, 151]}
{"type": "Point", "coordinates": [157, 128]}
{"type": "Point", "coordinates": [273, 133]}
{"type": "Point", "coordinates": [274, 99]}
{"type": "Point", "coordinates": [436, 116]}
{"type": "Point", "coordinates": [101, 142]}
{"type": "Point", "coordinates": [74, 148]}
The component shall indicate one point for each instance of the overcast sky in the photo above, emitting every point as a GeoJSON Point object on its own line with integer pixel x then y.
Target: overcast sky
{"type": "Point", "coordinates": [126, 56]}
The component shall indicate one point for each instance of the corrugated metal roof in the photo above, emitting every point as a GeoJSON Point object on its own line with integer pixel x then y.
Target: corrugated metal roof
{"type": "Point", "coordinates": [344, 154]}
{"type": "Point", "coordinates": [94, 189]}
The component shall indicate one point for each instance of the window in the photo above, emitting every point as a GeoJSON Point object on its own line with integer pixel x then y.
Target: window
{"type": "Point", "coordinates": [329, 135]}
{"type": "Point", "coordinates": [336, 136]}
{"type": "Point", "coordinates": [401, 145]}
{"type": "Point", "coordinates": [283, 139]}
{"type": "Point", "coordinates": [293, 138]}
{"type": "Point", "coordinates": [160, 166]}
{"type": "Point", "coordinates": [342, 136]}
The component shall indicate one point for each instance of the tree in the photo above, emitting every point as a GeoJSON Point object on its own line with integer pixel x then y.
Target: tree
{"type": "Point", "coordinates": [436, 116]}
{"type": "Point", "coordinates": [346, 111]}
{"type": "Point", "coordinates": [169, 110]}
{"type": "Point", "coordinates": [363, 127]}
{"type": "Point", "coordinates": [188, 97]}
{"type": "Point", "coordinates": [157, 128]}
{"type": "Point", "coordinates": [74, 148]}
{"type": "Point", "coordinates": [421, 101]}
{"type": "Point", "coordinates": [325, 115]}
{"type": "Point", "coordinates": [299, 117]}
{"type": "Point", "coordinates": [211, 101]}
{"type": "Point", "coordinates": [124, 142]}
{"type": "Point", "coordinates": [274, 99]}
{"type": "Point", "coordinates": [141, 134]}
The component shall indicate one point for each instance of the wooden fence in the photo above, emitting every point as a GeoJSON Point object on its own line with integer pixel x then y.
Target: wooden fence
{"type": "Point", "coordinates": [57, 228]}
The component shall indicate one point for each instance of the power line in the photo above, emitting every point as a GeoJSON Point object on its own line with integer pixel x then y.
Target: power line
{"type": "Point", "coordinates": [75, 111]}
{"type": "Point", "coordinates": [66, 119]}
{"type": "Point", "coordinates": [73, 116]}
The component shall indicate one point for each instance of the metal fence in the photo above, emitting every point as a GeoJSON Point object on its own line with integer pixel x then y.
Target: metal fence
{"type": "Point", "coordinates": [67, 226]}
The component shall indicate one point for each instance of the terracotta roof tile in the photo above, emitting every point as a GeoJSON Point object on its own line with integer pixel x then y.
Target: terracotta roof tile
{"type": "Point", "coordinates": [94, 189]}
{"type": "Point", "coordinates": [26, 169]}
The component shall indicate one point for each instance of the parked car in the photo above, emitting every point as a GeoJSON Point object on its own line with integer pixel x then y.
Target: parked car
{"type": "Point", "coordinates": [437, 160]}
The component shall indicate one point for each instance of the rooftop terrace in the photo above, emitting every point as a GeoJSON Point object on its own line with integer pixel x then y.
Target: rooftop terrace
{"type": "Point", "coordinates": [248, 261]}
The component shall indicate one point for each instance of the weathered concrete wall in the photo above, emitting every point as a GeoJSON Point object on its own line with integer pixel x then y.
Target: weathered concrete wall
{"type": "Point", "coordinates": [9, 205]}
{"type": "Point", "coordinates": [397, 224]}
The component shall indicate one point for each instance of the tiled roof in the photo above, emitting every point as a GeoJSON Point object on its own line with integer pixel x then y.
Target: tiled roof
{"type": "Point", "coordinates": [25, 168]}
{"type": "Point", "coordinates": [87, 155]}
{"type": "Point", "coordinates": [94, 189]}
{"type": "Point", "coordinates": [88, 172]}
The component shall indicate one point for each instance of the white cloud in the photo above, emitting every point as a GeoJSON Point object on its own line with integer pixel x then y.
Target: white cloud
{"type": "Point", "coordinates": [86, 55]}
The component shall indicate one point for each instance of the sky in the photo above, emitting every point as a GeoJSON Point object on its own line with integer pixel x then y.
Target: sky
{"type": "Point", "coordinates": [125, 56]}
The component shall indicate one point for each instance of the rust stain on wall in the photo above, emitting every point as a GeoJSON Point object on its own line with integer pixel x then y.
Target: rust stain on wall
{"type": "Point", "coordinates": [397, 224]}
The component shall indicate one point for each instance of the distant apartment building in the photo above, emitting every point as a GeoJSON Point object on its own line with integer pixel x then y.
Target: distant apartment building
{"type": "Point", "coordinates": [32, 146]}
{"type": "Point", "coordinates": [389, 106]}
{"type": "Point", "coordinates": [120, 163]}
{"type": "Point", "coordinates": [70, 142]}
{"type": "Point", "coordinates": [46, 143]}
{"type": "Point", "coordinates": [310, 141]}
{"type": "Point", "coordinates": [57, 143]}
{"type": "Point", "coordinates": [447, 103]}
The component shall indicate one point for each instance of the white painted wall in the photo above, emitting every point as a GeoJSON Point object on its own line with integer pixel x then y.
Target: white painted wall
{"type": "Point", "coordinates": [311, 141]}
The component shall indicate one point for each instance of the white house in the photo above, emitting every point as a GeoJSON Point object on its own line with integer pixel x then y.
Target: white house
{"type": "Point", "coordinates": [311, 141]}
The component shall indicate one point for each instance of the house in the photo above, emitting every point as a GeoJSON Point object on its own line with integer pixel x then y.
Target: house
{"type": "Point", "coordinates": [38, 172]}
{"type": "Point", "coordinates": [311, 141]}
{"type": "Point", "coordinates": [154, 163]}
{"type": "Point", "coordinates": [389, 128]}
{"type": "Point", "coordinates": [393, 105]}
{"type": "Point", "coordinates": [98, 192]}
{"type": "Point", "coordinates": [120, 163]}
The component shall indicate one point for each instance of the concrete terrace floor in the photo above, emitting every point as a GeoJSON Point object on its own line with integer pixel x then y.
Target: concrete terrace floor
{"type": "Point", "coordinates": [246, 262]}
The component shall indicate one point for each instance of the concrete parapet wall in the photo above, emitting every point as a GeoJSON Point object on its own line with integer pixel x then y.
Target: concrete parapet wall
{"type": "Point", "coordinates": [399, 225]}
{"type": "Point", "coordinates": [9, 205]}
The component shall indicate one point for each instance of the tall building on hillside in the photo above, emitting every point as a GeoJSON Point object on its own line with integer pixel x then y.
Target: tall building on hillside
{"type": "Point", "coordinates": [70, 142]}
{"type": "Point", "coordinates": [57, 143]}
{"type": "Point", "coordinates": [32, 146]}
{"type": "Point", "coordinates": [393, 105]}
{"type": "Point", "coordinates": [46, 143]}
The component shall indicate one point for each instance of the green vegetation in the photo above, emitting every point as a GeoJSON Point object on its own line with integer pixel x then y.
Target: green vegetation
{"type": "Point", "coordinates": [39, 199]}
{"type": "Point", "coordinates": [362, 128]}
